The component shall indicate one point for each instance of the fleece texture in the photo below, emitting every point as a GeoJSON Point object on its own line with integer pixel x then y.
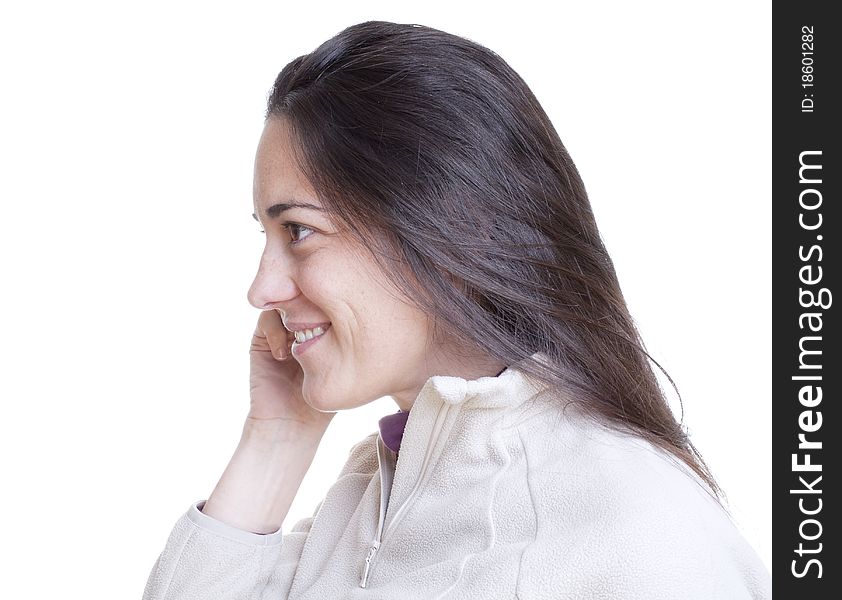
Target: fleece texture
{"type": "Point", "coordinates": [502, 489]}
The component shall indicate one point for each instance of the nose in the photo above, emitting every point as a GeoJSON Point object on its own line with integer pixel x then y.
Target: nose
{"type": "Point", "coordinates": [273, 285]}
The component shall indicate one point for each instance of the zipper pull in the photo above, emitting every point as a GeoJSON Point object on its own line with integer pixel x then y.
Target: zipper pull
{"type": "Point", "coordinates": [371, 550]}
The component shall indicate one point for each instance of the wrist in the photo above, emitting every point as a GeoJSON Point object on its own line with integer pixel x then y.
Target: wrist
{"type": "Point", "coordinates": [280, 431]}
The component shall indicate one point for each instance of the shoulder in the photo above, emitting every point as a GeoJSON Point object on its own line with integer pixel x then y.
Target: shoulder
{"type": "Point", "coordinates": [347, 490]}
{"type": "Point", "coordinates": [633, 510]}
{"type": "Point", "coordinates": [591, 459]}
{"type": "Point", "coordinates": [362, 457]}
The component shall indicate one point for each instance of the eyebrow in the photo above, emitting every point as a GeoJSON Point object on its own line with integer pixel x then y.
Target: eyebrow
{"type": "Point", "coordinates": [274, 211]}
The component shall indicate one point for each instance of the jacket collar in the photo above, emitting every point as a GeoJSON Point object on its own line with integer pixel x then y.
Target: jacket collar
{"type": "Point", "coordinates": [453, 406]}
{"type": "Point", "coordinates": [509, 388]}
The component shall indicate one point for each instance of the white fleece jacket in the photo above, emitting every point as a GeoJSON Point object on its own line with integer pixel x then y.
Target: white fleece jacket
{"type": "Point", "coordinates": [498, 492]}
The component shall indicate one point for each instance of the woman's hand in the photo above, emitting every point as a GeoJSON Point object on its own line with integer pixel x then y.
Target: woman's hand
{"type": "Point", "coordinates": [276, 377]}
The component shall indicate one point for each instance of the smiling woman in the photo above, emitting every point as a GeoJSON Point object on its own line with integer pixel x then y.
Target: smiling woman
{"type": "Point", "coordinates": [327, 277]}
{"type": "Point", "coordinates": [429, 239]}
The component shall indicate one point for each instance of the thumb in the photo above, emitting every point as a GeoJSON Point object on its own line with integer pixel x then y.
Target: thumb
{"type": "Point", "coordinates": [271, 327]}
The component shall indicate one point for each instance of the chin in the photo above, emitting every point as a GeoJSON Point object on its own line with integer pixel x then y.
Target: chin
{"type": "Point", "coordinates": [327, 405]}
{"type": "Point", "coordinates": [320, 404]}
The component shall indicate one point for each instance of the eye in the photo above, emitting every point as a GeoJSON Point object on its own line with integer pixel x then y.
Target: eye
{"type": "Point", "coordinates": [289, 226]}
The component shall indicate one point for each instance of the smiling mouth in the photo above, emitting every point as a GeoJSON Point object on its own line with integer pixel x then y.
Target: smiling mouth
{"type": "Point", "coordinates": [303, 344]}
{"type": "Point", "coordinates": [304, 335]}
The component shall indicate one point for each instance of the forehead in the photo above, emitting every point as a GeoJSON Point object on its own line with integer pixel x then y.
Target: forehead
{"type": "Point", "coordinates": [279, 184]}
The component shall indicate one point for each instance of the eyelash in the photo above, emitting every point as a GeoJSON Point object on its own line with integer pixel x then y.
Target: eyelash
{"type": "Point", "coordinates": [287, 226]}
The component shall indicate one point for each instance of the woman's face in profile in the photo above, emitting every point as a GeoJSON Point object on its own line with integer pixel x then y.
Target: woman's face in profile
{"type": "Point", "coordinates": [312, 273]}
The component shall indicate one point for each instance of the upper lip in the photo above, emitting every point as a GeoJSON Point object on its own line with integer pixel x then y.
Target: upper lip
{"type": "Point", "coordinates": [302, 326]}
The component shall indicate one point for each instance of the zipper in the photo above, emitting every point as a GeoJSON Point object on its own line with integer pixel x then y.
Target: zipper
{"type": "Point", "coordinates": [371, 550]}
{"type": "Point", "coordinates": [380, 537]}
{"type": "Point", "coordinates": [382, 467]}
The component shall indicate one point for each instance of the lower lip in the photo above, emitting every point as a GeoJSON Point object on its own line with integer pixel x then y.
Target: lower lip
{"type": "Point", "coordinates": [299, 349]}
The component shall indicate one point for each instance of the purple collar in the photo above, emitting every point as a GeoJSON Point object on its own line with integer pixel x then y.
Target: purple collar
{"type": "Point", "coordinates": [391, 429]}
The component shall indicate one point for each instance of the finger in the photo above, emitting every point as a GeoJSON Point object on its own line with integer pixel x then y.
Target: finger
{"type": "Point", "coordinates": [287, 343]}
{"type": "Point", "coordinates": [277, 337]}
{"type": "Point", "coordinates": [281, 349]}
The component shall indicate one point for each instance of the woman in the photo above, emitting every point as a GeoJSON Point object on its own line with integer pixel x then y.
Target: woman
{"type": "Point", "coordinates": [428, 238]}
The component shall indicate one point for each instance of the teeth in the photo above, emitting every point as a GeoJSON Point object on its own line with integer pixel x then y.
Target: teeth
{"type": "Point", "coordinates": [308, 334]}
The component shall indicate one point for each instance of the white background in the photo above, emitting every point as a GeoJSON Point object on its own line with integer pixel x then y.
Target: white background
{"type": "Point", "coordinates": [127, 243]}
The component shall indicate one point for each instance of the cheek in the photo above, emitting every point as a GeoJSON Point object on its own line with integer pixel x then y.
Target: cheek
{"type": "Point", "coordinates": [354, 295]}
{"type": "Point", "coordinates": [319, 279]}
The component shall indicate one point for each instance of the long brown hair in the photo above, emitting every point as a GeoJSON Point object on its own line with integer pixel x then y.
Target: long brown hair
{"type": "Point", "coordinates": [431, 150]}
